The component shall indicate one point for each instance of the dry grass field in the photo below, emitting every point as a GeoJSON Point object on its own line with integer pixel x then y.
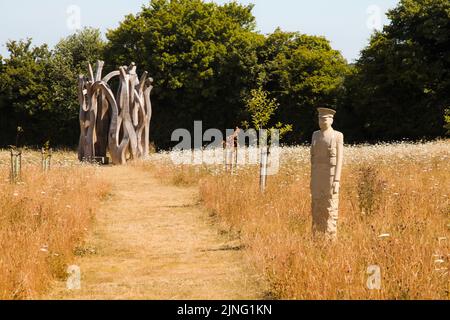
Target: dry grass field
{"type": "Point", "coordinates": [394, 213]}
{"type": "Point", "coordinates": [42, 220]}
{"type": "Point", "coordinates": [153, 241]}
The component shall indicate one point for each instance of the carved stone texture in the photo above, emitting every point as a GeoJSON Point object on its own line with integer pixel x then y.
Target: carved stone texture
{"type": "Point", "coordinates": [326, 166]}
{"type": "Point", "coordinates": [117, 123]}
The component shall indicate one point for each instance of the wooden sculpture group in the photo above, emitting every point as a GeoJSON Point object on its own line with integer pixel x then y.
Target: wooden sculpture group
{"type": "Point", "coordinates": [117, 123]}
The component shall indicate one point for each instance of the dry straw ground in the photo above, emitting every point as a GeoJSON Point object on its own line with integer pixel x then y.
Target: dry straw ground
{"type": "Point", "coordinates": [394, 213]}
{"type": "Point", "coordinates": [42, 220]}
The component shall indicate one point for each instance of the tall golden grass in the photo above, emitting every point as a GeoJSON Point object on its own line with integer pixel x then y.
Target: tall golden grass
{"type": "Point", "coordinates": [42, 220]}
{"type": "Point", "coordinates": [394, 213]}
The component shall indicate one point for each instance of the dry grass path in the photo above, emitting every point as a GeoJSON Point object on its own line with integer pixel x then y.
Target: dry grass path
{"type": "Point", "coordinates": [153, 241]}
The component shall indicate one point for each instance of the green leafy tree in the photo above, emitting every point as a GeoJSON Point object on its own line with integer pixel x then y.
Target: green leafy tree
{"type": "Point", "coordinates": [202, 56]}
{"type": "Point", "coordinates": [261, 109]}
{"type": "Point", "coordinates": [400, 85]}
{"type": "Point", "coordinates": [38, 88]}
{"type": "Point", "coordinates": [24, 91]}
{"type": "Point", "coordinates": [70, 59]}
{"type": "Point", "coordinates": [302, 72]}
{"type": "Point", "coordinates": [205, 59]}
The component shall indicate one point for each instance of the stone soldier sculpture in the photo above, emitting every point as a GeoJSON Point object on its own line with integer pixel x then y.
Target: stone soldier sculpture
{"type": "Point", "coordinates": [327, 152]}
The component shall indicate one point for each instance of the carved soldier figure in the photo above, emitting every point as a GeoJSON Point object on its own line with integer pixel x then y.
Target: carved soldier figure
{"type": "Point", "coordinates": [327, 152]}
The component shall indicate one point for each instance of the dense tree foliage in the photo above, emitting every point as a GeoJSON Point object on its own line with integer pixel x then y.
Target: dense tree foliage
{"type": "Point", "coordinates": [70, 59]}
{"type": "Point", "coordinates": [38, 89]}
{"type": "Point", "coordinates": [302, 72]}
{"type": "Point", "coordinates": [207, 60]}
{"type": "Point", "coordinates": [24, 91]}
{"type": "Point", "coordinates": [261, 108]}
{"type": "Point", "coordinates": [400, 86]}
{"type": "Point", "coordinates": [201, 55]}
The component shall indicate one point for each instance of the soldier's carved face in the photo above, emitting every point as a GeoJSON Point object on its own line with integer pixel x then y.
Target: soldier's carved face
{"type": "Point", "coordinates": [325, 123]}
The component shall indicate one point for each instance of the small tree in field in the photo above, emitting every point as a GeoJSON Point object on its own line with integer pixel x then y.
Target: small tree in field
{"type": "Point", "coordinates": [261, 109]}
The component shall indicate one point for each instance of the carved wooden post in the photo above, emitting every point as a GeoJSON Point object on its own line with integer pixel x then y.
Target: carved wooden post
{"type": "Point", "coordinates": [263, 168]}
{"type": "Point", "coordinates": [229, 159]}
{"type": "Point", "coordinates": [12, 168]}
{"type": "Point", "coordinates": [147, 89]}
{"type": "Point", "coordinates": [16, 165]}
{"type": "Point", "coordinates": [46, 159]}
{"type": "Point", "coordinates": [235, 159]}
{"type": "Point", "coordinates": [224, 147]}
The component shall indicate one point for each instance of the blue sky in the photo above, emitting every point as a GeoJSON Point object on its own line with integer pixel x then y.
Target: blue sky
{"type": "Point", "coordinates": [348, 24]}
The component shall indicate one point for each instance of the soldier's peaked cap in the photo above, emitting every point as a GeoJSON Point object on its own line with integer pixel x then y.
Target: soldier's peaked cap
{"type": "Point", "coordinates": [326, 112]}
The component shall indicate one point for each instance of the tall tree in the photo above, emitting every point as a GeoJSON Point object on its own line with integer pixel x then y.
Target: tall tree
{"type": "Point", "coordinates": [38, 88]}
{"type": "Point", "coordinates": [302, 72]}
{"type": "Point", "coordinates": [24, 90]}
{"type": "Point", "coordinates": [401, 83]}
{"type": "Point", "coordinates": [70, 58]}
{"type": "Point", "coordinates": [202, 56]}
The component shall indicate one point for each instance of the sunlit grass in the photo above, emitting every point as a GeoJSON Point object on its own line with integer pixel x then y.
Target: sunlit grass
{"type": "Point", "coordinates": [42, 220]}
{"type": "Point", "coordinates": [394, 213]}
